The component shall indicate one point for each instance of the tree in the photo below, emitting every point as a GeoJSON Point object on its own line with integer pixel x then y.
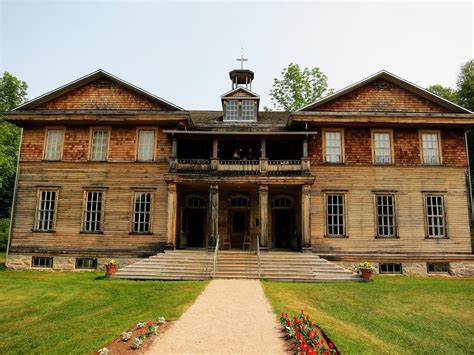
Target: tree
{"type": "Point", "coordinates": [465, 85]}
{"type": "Point", "coordinates": [445, 92]}
{"type": "Point", "coordinates": [298, 88]}
{"type": "Point", "coordinates": [12, 94]}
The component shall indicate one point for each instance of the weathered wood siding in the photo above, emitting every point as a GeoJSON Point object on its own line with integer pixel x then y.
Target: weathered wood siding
{"type": "Point", "coordinates": [408, 184]}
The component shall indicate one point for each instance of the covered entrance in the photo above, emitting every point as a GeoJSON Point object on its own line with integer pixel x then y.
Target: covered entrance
{"type": "Point", "coordinates": [283, 217]}
{"type": "Point", "coordinates": [239, 218]}
{"type": "Point", "coordinates": [194, 216]}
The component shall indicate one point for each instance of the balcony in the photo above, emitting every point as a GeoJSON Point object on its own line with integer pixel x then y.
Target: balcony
{"type": "Point", "coordinates": [262, 166]}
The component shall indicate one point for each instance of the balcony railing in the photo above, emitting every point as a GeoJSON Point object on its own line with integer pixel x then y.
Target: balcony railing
{"type": "Point", "coordinates": [261, 166]}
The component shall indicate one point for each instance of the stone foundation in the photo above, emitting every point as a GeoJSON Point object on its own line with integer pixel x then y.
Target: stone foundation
{"type": "Point", "coordinates": [63, 263]}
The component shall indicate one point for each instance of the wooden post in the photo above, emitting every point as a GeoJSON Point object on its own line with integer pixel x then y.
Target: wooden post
{"type": "Point", "coordinates": [215, 148]}
{"type": "Point", "coordinates": [171, 225]}
{"type": "Point", "coordinates": [306, 218]}
{"type": "Point", "coordinates": [263, 148]}
{"type": "Point", "coordinates": [263, 199]}
{"type": "Point", "coordinates": [214, 214]}
{"type": "Point", "coordinates": [305, 148]}
{"type": "Point", "coordinates": [174, 147]}
{"type": "Point", "coordinates": [215, 157]}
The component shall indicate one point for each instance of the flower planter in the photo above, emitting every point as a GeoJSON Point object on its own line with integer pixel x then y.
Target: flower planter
{"type": "Point", "coordinates": [366, 274]}
{"type": "Point", "coordinates": [110, 269]}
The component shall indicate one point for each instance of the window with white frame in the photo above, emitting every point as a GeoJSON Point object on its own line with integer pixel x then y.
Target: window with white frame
{"type": "Point", "coordinates": [430, 147]}
{"type": "Point", "coordinates": [45, 216]}
{"type": "Point", "coordinates": [232, 110]}
{"type": "Point", "coordinates": [53, 144]}
{"type": "Point", "coordinates": [385, 216]}
{"type": "Point", "coordinates": [146, 145]}
{"type": "Point", "coordinates": [382, 148]}
{"type": "Point", "coordinates": [435, 216]}
{"type": "Point", "coordinates": [335, 219]}
{"type": "Point", "coordinates": [333, 146]}
{"type": "Point", "coordinates": [142, 212]}
{"type": "Point", "coordinates": [93, 212]}
{"type": "Point", "coordinates": [100, 140]}
{"type": "Point", "coordinates": [248, 110]}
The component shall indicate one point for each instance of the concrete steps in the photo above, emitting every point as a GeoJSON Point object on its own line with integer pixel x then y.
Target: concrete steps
{"type": "Point", "coordinates": [198, 265]}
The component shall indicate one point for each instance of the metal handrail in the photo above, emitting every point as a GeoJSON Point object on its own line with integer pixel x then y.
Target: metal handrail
{"type": "Point", "coordinates": [216, 249]}
{"type": "Point", "coordinates": [258, 254]}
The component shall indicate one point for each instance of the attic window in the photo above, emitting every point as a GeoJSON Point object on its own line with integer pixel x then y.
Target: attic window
{"type": "Point", "coordinates": [240, 110]}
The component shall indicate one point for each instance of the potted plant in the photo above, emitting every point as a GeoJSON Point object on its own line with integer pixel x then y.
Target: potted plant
{"type": "Point", "coordinates": [366, 270]}
{"type": "Point", "coordinates": [111, 267]}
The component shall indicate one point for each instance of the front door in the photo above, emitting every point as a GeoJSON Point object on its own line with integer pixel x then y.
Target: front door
{"type": "Point", "coordinates": [195, 218]}
{"type": "Point", "coordinates": [282, 228]}
{"type": "Point", "coordinates": [239, 227]}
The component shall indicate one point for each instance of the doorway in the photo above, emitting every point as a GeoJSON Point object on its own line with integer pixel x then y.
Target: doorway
{"type": "Point", "coordinates": [283, 223]}
{"type": "Point", "coordinates": [194, 222]}
{"type": "Point", "coordinates": [239, 218]}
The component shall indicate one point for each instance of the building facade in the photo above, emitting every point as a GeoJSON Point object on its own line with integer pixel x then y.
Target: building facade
{"type": "Point", "coordinates": [378, 171]}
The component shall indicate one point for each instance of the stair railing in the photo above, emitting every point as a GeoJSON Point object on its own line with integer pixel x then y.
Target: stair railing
{"type": "Point", "coordinates": [214, 261]}
{"type": "Point", "coordinates": [258, 254]}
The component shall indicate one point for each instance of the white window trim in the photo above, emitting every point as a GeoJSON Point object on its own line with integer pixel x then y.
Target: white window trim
{"type": "Point", "coordinates": [107, 143]}
{"type": "Point", "coordinates": [344, 215]}
{"type": "Point", "coordinates": [438, 150]}
{"type": "Point", "coordinates": [153, 148]}
{"type": "Point", "coordinates": [443, 216]}
{"type": "Point", "coordinates": [390, 148]}
{"type": "Point", "coordinates": [46, 143]}
{"type": "Point", "coordinates": [102, 210]}
{"type": "Point", "coordinates": [342, 149]}
{"type": "Point", "coordinates": [132, 220]}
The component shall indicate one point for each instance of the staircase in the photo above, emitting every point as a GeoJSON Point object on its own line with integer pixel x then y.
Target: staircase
{"type": "Point", "coordinates": [198, 265]}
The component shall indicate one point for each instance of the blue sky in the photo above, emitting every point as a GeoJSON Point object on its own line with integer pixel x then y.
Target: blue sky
{"type": "Point", "coordinates": [183, 51]}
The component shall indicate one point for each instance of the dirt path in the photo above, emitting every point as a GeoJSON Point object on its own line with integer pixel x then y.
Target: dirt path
{"type": "Point", "coordinates": [229, 317]}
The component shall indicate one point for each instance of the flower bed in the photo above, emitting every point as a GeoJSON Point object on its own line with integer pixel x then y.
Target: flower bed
{"type": "Point", "coordinates": [307, 337]}
{"type": "Point", "coordinates": [136, 340]}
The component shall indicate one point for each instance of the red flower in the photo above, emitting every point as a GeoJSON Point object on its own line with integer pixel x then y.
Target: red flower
{"type": "Point", "coordinates": [288, 323]}
{"type": "Point", "coordinates": [322, 341]}
{"type": "Point", "coordinates": [299, 336]}
{"type": "Point", "coordinates": [142, 330]}
{"type": "Point", "coordinates": [148, 324]}
{"type": "Point", "coordinates": [331, 345]}
{"type": "Point", "coordinates": [286, 315]}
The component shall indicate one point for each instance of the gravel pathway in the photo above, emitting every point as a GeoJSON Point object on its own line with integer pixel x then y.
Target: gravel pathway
{"type": "Point", "coordinates": [229, 317]}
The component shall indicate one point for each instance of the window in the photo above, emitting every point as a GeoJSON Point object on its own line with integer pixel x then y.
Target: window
{"type": "Point", "coordinates": [385, 215]}
{"type": "Point", "coordinates": [437, 268]}
{"type": "Point", "coordinates": [232, 110]}
{"type": "Point", "coordinates": [333, 146]}
{"type": "Point", "coordinates": [42, 261]}
{"type": "Point", "coordinates": [54, 140]}
{"type": "Point", "coordinates": [239, 202]}
{"type": "Point", "coordinates": [435, 217]}
{"type": "Point", "coordinates": [93, 212]}
{"type": "Point", "coordinates": [248, 108]}
{"type": "Point", "coordinates": [146, 145]}
{"type": "Point", "coordinates": [335, 223]}
{"type": "Point", "coordinates": [382, 148]}
{"type": "Point", "coordinates": [100, 139]}
{"type": "Point", "coordinates": [390, 268]}
{"type": "Point", "coordinates": [430, 148]}
{"type": "Point", "coordinates": [86, 263]}
{"type": "Point", "coordinates": [45, 216]}
{"type": "Point", "coordinates": [142, 212]}
{"type": "Point", "coordinates": [282, 202]}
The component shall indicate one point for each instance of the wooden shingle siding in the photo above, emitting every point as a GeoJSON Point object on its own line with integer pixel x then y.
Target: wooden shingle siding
{"type": "Point", "coordinates": [382, 96]}
{"type": "Point", "coordinates": [72, 179]}
{"type": "Point", "coordinates": [100, 94]}
{"type": "Point", "coordinates": [407, 184]}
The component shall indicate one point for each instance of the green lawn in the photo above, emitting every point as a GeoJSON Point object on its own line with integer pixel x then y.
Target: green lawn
{"type": "Point", "coordinates": [58, 313]}
{"type": "Point", "coordinates": [390, 315]}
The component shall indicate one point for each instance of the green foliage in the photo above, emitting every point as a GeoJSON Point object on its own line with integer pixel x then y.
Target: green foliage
{"type": "Point", "coordinates": [4, 229]}
{"type": "Point", "coordinates": [12, 94]}
{"type": "Point", "coordinates": [298, 88]}
{"type": "Point", "coordinates": [392, 315]}
{"type": "Point", "coordinates": [465, 85]}
{"type": "Point", "coordinates": [445, 92]}
{"type": "Point", "coordinates": [78, 313]}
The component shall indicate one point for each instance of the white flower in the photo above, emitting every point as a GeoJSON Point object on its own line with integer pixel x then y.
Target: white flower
{"type": "Point", "coordinates": [161, 320]}
{"type": "Point", "coordinates": [126, 336]}
{"type": "Point", "coordinates": [141, 325]}
{"type": "Point", "coordinates": [137, 343]}
{"type": "Point", "coordinates": [103, 351]}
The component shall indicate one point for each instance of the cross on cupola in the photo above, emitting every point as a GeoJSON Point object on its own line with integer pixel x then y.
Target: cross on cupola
{"type": "Point", "coordinates": [242, 60]}
{"type": "Point", "coordinates": [241, 77]}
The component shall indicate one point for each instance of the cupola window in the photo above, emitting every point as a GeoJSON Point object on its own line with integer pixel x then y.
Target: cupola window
{"type": "Point", "coordinates": [232, 110]}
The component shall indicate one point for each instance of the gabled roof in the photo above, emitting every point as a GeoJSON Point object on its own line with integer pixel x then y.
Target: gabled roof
{"type": "Point", "coordinates": [383, 74]}
{"type": "Point", "coordinates": [89, 78]}
{"type": "Point", "coordinates": [239, 88]}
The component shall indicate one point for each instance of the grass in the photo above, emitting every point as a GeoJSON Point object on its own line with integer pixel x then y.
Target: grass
{"type": "Point", "coordinates": [46, 312]}
{"type": "Point", "coordinates": [391, 315]}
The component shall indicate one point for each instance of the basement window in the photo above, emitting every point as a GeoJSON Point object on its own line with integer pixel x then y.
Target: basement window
{"type": "Point", "coordinates": [86, 263]}
{"type": "Point", "coordinates": [390, 268]}
{"type": "Point", "coordinates": [438, 268]}
{"type": "Point", "coordinates": [42, 262]}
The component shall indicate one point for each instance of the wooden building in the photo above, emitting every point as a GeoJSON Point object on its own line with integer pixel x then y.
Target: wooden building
{"type": "Point", "coordinates": [378, 171]}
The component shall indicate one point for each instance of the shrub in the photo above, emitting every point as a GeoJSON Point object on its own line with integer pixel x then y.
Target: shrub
{"type": "Point", "coordinates": [4, 231]}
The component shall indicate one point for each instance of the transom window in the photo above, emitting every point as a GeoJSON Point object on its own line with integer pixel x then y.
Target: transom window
{"type": "Point", "coordinates": [100, 139]}
{"type": "Point", "coordinates": [86, 263]}
{"type": "Point", "coordinates": [142, 212]}
{"type": "Point", "coordinates": [195, 202]}
{"type": "Point", "coordinates": [282, 202]}
{"type": "Point", "coordinates": [46, 210]}
{"type": "Point", "coordinates": [146, 145]}
{"type": "Point", "coordinates": [333, 147]}
{"type": "Point", "coordinates": [53, 144]}
{"type": "Point", "coordinates": [430, 147]}
{"type": "Point", "coordinates": [437, 268]}
{"type": "Point", "coordinates": [385, 215]}
{"type": "Point", "coordinates": [93, 211]}
{"type": "Point", "coordinates": [390, 268]}
{"type": "Point", "coordinates": [435, 216]}
{"type": "Point", "coordinates": [42, 261]}
{"type": "Point", "coordinates": [382, 148]}
{"type": "Point", "coordinates": [232, 110]}
{"type": "Point", "coordinates": [239, 202]}
{"type": "Point", "coordinates": [335, 221]}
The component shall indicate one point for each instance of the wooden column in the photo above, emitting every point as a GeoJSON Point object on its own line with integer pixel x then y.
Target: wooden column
{"type": "Point", "coordinates": [263, 199]}
{"type": "Point", "coordinates": [213, 214]}
{"type": "Point", "coordinates": [305, 148]}
{"type": "Point", "coordinates": [306, 218]}
{"type": "Point", "coordinates": [174, 155]}
{"type": "Point", "coordinates": [215, 148]}
{"type": "Point", "coordinates": [263, 148]}
{"type": "Point", "coordinates": [172, 211]}
{"type": "Point", "coordinates": [215, 157]}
